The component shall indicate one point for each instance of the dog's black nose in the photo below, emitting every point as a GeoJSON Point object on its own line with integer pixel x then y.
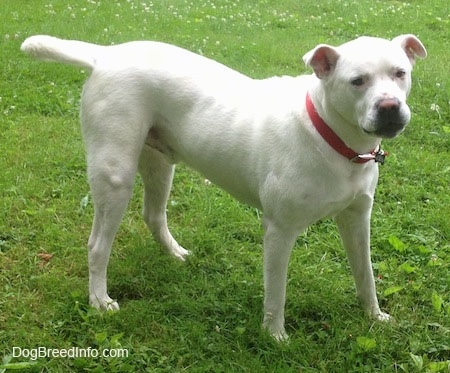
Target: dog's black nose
{"type": "Point", "coordinates": [388, 112]}
{"type": "Point", "coordinates": [388, 105]}
{"type": "Point", "coordinates": [390, 120]}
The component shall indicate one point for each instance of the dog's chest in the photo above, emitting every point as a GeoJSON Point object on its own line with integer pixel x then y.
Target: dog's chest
{"type": "Point", "coordinates": [327, 193]}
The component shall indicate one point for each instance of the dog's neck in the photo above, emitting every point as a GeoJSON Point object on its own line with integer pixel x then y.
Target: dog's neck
{"type": "Point", "coordinates": [338, 144]}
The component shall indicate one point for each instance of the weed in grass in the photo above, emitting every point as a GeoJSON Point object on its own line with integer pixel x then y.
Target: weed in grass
{"type": "Point", "coordinates": [206, 315]}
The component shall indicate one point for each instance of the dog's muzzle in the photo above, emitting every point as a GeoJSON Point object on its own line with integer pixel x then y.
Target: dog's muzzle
{"type": "Point", "coordinates": [390, 119]}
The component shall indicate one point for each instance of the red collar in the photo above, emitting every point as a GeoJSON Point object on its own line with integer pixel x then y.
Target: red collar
{"type": "Point", "coordinates": [335, 141]}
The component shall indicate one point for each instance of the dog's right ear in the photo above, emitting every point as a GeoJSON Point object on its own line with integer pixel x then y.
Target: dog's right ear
{"type": "Point", "coordinates": [322, 59]}
{"type": "Point", "coordinates": [412, 46]}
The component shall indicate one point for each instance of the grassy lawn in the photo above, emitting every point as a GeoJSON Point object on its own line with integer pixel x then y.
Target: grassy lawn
{"type": "Point", "coordinates": [205, 315]}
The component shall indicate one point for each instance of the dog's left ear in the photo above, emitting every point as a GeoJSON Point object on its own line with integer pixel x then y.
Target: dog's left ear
{"type": "Point", "coordinates": [322, 59]}
{"type": "Point", "coordinates": [412, 46]}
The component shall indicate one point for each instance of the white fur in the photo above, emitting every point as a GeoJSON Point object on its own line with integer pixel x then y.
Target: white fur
{"type": "Point", "coordinates": [148, 105]}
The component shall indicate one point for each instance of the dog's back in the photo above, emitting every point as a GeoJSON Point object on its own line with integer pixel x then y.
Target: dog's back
{"type": "Point", "coordinates": [135, 55]}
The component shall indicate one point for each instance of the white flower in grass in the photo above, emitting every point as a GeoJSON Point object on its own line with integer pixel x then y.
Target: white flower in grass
{"type": "Point", "coordinates": [436, 108]}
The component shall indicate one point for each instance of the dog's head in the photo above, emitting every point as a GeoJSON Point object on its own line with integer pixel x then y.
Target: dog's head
{"type": "Point", "coordinates": [367, 81]}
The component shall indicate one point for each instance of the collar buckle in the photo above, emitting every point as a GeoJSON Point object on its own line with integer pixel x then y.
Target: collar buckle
{"type": "Point", "coordinates": [378, 155]}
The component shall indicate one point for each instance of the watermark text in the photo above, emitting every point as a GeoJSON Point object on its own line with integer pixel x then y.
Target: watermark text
{"type": "Point", "coordinates": [68, 353]}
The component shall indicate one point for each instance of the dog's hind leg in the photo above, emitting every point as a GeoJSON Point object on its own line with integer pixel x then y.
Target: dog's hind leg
{"type": "Point", "coordinates": [157, 175]}
{"type": "Point", "coordinates": [111, 188]}
{"type": "Point", "coordinates": [112, 158]}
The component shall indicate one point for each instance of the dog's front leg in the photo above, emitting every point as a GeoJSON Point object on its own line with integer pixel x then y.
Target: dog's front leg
{"type": "Point", "coordinates": [278, 243]}
{"type": "Point", "coordinates": [354, 228]}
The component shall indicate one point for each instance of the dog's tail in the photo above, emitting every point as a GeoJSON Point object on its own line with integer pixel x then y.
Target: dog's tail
{"type": "Point", "coordinates": [73, 52]}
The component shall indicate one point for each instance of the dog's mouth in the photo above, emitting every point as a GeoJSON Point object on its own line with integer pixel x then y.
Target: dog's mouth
{"type": "Point", "coordinates": [387, 130]}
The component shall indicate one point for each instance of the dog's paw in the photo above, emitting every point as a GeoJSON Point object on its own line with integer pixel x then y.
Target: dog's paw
{"type": "Point", "coordinates": [275, 329]}
{"type": "Point", "coordinates": [106, 304]}
{"type": "Point", "coordinates": [379, 315]}
{"type": "Point", "coordinates": [280, 336]}
{"type": "Point", "coordinates": [382, 316]}
{"type": "Point", "coordinates": [180, 252]}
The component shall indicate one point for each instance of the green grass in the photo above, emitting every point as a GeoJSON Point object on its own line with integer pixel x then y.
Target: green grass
{"type": "Point", "coordinates": [205, 315]}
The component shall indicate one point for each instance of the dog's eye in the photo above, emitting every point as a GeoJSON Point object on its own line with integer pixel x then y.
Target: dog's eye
{"type": "Point", "coordinates": [400, 74]}
{"type": "Point", "coordinates": [358, 82]}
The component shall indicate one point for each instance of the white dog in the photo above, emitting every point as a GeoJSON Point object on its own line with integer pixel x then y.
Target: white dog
{"type": "Point", "coordinates": [298, 148]}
